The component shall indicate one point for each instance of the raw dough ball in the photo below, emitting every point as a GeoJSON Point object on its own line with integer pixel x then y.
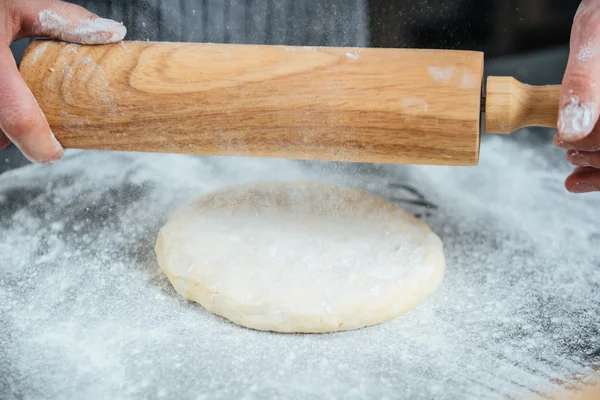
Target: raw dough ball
{"type": "Point", "coordinates": [300, 256]}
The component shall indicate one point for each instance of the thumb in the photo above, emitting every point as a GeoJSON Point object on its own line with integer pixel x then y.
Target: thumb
{"type": "Point", "coordinates": [580, 92]}
{"type": "Point", "coordinates": [21, 119]}
{"type": "Point", "coordinates": [68, 22]}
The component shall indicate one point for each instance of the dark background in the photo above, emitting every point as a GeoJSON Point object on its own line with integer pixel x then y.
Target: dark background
{"type": "Point", "coordinates": [527, 39]}
{"type": "Point", "coordinates": [497, 27]}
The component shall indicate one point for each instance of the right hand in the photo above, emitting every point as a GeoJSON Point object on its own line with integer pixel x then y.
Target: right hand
{"type": "Point", "coordinates": [21, 119]}
{"type": "Point", "coordinates": [578, 128]}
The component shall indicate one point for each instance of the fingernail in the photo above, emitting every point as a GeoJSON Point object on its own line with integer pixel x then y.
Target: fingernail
{"type": "Point", "coordinates": [576, 120]}
{"type": "Point", "coordinates": [582, 187]}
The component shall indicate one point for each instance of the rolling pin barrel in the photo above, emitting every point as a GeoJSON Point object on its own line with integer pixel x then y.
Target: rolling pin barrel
{"type": "Point", "coordinates": [320, 103]}
{"type": "Point", "coordinates": [312, 103]}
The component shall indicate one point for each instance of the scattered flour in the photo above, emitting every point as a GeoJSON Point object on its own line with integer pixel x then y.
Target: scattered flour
{"type": "Point", "coordinates": [86, 313]}
{"type": "Point", "coordinates": [38, 52]}
{"type": "Point", "coordinates": [441, 74]}
{"type": "Point", "coordinates": [99, 30]}
{"type": "Point", "coordinates": [586, 53]}
{"type": "Point", "coordinates": [352, 56]}
{"type": "Point", "coordinates": [469, 81]}
{"type": "Point", "coordinates": [51, 20]}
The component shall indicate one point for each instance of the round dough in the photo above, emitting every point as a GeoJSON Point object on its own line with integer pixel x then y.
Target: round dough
{"type": "Point", "coordinates": [300, 256]}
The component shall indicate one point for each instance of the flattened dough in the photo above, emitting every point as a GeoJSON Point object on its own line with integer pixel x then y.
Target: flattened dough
{"type": "Point", "coordinates": [300, 256]}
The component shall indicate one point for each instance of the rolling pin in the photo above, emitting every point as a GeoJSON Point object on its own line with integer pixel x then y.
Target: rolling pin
{"type": "Point", "coordinates": [395, 106]}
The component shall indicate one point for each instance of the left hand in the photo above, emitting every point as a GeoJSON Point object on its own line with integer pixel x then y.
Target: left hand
{"type": "Point", "coordinates": [21, 119]}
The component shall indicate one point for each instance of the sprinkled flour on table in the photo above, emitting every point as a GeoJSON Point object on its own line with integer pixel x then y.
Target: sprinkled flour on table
{"type": "Point", "coordinates": [85, 312]}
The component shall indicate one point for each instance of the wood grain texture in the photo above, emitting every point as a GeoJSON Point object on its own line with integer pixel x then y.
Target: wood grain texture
{"type": "Point", "coordinates": [319, 103]}
{"type": "Point", "coordinates": [512, 105]}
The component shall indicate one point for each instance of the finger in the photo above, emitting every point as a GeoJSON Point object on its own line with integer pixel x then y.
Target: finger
{"type": "Point", "coordinates": [583, 180]}
{"type": "Point", "coordinates": [588, 143]}
{"type": "Point", "coordinates": [68, 22]}
{"type": "Point", "coordinates": [584, 158]}
{"type": "Point", "coordinates": [21, 118]}
{"type": "Point", "coordinates": [580, 91]}
{"type": "Point", "coordinates": [4, 141]}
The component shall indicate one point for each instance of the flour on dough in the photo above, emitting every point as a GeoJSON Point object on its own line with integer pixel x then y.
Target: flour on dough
{"type": "Point", "coordinates": [300, 256]}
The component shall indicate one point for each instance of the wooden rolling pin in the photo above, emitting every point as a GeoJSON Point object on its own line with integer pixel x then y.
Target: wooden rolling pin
{"type": "Point", "coordinates": [318, 103]}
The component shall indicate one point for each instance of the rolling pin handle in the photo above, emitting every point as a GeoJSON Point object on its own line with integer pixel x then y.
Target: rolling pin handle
{"type": "Point", "coordinates": [511, 105]}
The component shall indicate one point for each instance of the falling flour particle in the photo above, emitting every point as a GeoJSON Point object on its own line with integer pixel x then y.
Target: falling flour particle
{"type": "Point", "coordinates": [441, 74]}
{"type": "Point", "coordinates": [576, 119]}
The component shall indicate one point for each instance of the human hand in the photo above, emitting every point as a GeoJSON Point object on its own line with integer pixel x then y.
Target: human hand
{"type": "Point", "coordinates": [21, 119]}
{"type": "Point", "coordinates": [578, 128]}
